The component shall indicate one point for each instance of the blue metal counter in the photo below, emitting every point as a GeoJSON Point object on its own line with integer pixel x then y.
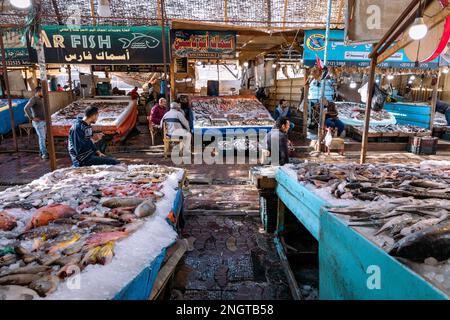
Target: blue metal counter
{"type": "Point", "coordinates": [348, 262]}
{"type": "Point", "coordinates": [410, 113]}
{"type": "Point", "coordinates": [303, 203]}
{"type": "Point", "coordinates": [141, 286]}
{"type": "Point", "coordinates": [349, 265]}
{"type": "Point", "coordinates": [19, 114]}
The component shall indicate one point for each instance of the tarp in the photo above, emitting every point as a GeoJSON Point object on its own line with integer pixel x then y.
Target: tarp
{"type": "Point", "coordinates": [19, 114]}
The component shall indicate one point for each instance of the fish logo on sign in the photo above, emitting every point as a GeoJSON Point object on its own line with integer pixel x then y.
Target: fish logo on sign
{"type": "Point", "coordinates": [316, 42]}
{"type": "Point", "coordinates": [139, 41]}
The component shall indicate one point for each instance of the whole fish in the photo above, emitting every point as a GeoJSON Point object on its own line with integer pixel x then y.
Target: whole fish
{"type": "Point", "coordinates": [134, 226]}
{"type": "Point", "coordinates": [7, 260]}
{"type": "Point", "coordinates": [145, 209]}
{"type": "Point", "coordinates": [107, 221]}
{"type": "Point", "coordinates": [48, 259]}
{"type": "Point", "coordinates": [121, 202]}
{"type": "Point", "coordinates": [99, 239]}
{"type": "Point", "coordinates": [431, 242]}
{"type": "Point", "coordinates": [74, 248]}
{"type": "Point", "coordinates": [64, 244]}
{"type": "Point", "coordinates": [33, 269]}
{"type": "Point", "coordinates": [7, 222]}
{"type": "Point", "coordinates": [90, 257]}
{"type": "Point", "coordinates": [393, 222]}
{"type": "Point", "coordinates": [106, 253]}
{"type": "Point", "coordinates": [45, 285]}
{"type": "Point", "coordinates": [44, 215]}
{"type": "Point", "coordinates": [12, 292]}
{"type": "Point", "coordinates": [47, 232]}
{"type": "Point", "coordinates": [19, 279]}
{"type": "Point", "coordinates": [69, 260]}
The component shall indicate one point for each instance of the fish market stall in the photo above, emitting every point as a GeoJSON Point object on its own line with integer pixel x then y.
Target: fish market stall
{"type": "Point", "coordinates": [362, 214]}
{"type": "Point", "coordinates": [19, 114]}
{"type": "Point", "coordinates": [352, 114]}
{"type": "Point", "coordinates": [103, 229]}
{"type": "Point", "coordinates": [230, 113]}
{"type": "Point", "coordinates": [389, 131]}
{"type": "Point", "coordinates": [117, 117]}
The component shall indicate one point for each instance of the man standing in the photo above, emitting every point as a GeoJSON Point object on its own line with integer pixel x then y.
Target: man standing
{"type": "Point", "coordinates": [34, 110]}
{"type": "Point", "coordinates": [177, 125]}
{"type": "Point", "coordinates": [134, 94]}
{"type": "Point", "coordinates": [158, 111]}
{"type": "Point", "coordinates": [283, 110]}
{"type": "Point", "coordinates": [276, 141]}
{"type": "Point", "coordinates": [82, 149]}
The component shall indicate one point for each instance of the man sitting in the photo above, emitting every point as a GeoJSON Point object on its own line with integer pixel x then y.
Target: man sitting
{"type": "Point", "coordinates": [82, 149]}
{"type": "Point", "coordinates": [158, 111]}
{"type": "Point", "coordinates": [177, 125]}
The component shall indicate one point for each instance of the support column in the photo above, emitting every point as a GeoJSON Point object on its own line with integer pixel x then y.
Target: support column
{"type": "Point", "coordinates": [8, 93]}
{"type": "Point", "coordinates": [370, 88]}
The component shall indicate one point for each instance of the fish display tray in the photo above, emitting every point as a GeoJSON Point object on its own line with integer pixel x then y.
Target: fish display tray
{"type": "Point", "coordinates": [134, 266]}
{"type": "Point", "coordinates": [353, 267]}
{"type": "Point", "coordinates": [384, 137]}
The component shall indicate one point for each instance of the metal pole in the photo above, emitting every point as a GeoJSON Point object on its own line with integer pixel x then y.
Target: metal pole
{"type": "Point", "coordinates": [48, 120]}
{"type": "Point", "coordinates": [434, 97]}
{"type": "Point", "coordinates": [322, 85]}
{"type": "Point", "coordinates": [370, 88]}
{"type": "Point", "coordinates": [5, 77]}
{"type": "Point", "coordinates": [69, 71]}
{"type": "Point", "coordinates": [163, 43]}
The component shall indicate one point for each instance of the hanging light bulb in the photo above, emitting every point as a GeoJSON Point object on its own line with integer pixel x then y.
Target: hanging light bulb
{"type": "Point", "coordinates": [377, 80]}
{"type": "Point", "coordinates": [297, 66]}
{"type": "Point", "coordinates": [390, 77]}
{"type": "Point", "coordinates": [412, 78]}
{"type": "Point", "coordinates": [104, 9]}
{"type": "Point", "coordinates": [62, 69]}
{"type": "Point", "coordinates": [418, 30]}
{"type": "Point", "coordinates": [245, 64]}
{"type": "Point", "coordinates": [274, 65]}
{"type": "Point", "coordinates": [445, 70]}
{"type": "Point", "coordinates": [21, 4]}
{"type": "Point", "coordinates": [353, 85]}
{"type": "Point", "coordinates": [199, 63]}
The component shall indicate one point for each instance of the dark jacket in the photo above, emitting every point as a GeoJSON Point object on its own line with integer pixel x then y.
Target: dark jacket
{"type": "Point", "coordinates": [442, 106]}
{"type": "Point", "coordinates": [280, 112]}
{"type": "Point", "coordinates": [35, 109]}
{"type": "Point", "coordinates": [283, 149]}
{"type": "Point", "coordinates": [81, 146]}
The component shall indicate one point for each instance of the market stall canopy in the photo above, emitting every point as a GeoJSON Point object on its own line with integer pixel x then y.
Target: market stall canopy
{"type": "Point", "coordinates": [265, 14]}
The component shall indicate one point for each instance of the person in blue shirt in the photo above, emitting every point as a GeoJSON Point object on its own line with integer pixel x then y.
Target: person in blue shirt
{"type": "Point", "coordinates": [283, 110]}
{"type": "Point", "coordinates": [82, 149]}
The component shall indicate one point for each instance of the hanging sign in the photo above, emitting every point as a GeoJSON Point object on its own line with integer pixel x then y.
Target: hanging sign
{"type": "Point", "coordinates": [203, 44]}
{"type": "Point", "coordinates": [367, 21]}
{"type": "Point", "coordinates": [103, 45]}
{"type": "Point", "coordinates": [17, 52]}
{"type": "Point", "coordinates": [354, 55]}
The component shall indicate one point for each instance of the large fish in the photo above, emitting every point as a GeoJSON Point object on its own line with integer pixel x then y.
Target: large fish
{"type": "Point", "coordinates": [19, 279]}
{"type": "Point", "coordinates": [145, 209]}
{"type": "Point", "coordinates": [45, 285]}
{"type": "Point", "coordinates": [7, 222]}
{"type": "Point", "coordinates": [44, 215]}
{"type": "Point", "coordinates": [12, 292]}
{"type": "Point", "coordinates": [121, 202]}
{"type": "Point", "coordinates": [431, 242]}
{"type": "Point", "coordinates": [64, 244]}
{"type": "Point", "coordinates": [100, 239]}
{"type": "Point", "coordinates": [29, 269]}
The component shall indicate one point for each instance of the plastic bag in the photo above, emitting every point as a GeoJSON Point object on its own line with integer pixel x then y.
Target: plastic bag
{"type": "Point", "coordinates": [378, 99]}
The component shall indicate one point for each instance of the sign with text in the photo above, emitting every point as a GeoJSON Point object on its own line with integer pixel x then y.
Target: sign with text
{"type": "Point", "coordinates": [102, 45]}
{"type": "Point", "coordinates": [199, 44]}
{"type": "Point", "coordinates": [17, 52]}
{"type": "Point", "coordinates": [367, 21]}
{"type": "Point", "coordinates": [352, 55]}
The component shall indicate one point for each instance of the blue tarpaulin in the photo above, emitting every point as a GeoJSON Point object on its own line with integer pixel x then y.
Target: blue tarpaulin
{"type": "Point", "coordinates": [141, 286]}
{"type": "Point", "coordinates": [19, 114]}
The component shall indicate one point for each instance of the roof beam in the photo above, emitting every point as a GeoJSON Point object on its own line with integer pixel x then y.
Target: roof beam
{"type": "Point", "coordinates": [58, 16]}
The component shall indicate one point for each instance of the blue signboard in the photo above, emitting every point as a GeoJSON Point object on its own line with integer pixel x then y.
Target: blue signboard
{"type": "Point", "coordinates": [358, 55]}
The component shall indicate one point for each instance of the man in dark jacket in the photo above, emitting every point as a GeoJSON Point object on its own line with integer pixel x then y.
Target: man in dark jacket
{"type": "Point", "coordinates": [82, 149]}
{"type": "Point", "coordinates": [283, 110]}
{"type": "Point", "coordinates": [34, 110]}
{"type": "Point", "coordinates": [276, 141]}
{"type": "Point", "coordinates": [444, 108]}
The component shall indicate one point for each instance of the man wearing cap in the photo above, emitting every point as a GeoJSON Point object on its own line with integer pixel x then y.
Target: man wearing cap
{"type": "Point", "coordinates": [176, 124]}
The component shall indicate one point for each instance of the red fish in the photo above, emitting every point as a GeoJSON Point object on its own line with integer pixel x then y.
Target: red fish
{"type": "Point", "coordinates": [44, 215]}
{"type": "Point", "coordinates": [7, 222]}
{"type": "Point", "coordinates": [102, 238]}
